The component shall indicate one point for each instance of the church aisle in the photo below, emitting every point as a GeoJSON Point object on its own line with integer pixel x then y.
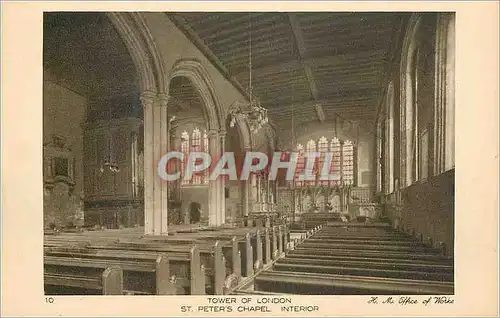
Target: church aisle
{"type": "Point", "coordinates": [353, 260]}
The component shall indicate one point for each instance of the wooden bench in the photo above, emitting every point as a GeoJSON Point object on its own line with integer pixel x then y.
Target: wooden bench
{"type": "Point", "coordinates": [184, 260]}
{"type": "Point", "coordinates": [371, 247]}
{"type": "Point", "coordinates": [440, 261]}
{"type": "Point", "coordinates": [211, 257]}
{"type": "Point", "coordinates": [257, 247]}
{"type": "Point", "coordinates": [356, 233]}
{"type": "Point", "coordinates": [354, 240]}
{"type": "Point", "coordinates": [315, 283]}
{"type": "Point", "coordinates": [73, 277]}
{"type": "Point", "coordinates": [309, 250]}
{"type": "Point", "coordinates": [364, 269]}
{"type": "Point", "coordinates": [220, 257]}
{"type": "Point", "coordinates": [143, 272]}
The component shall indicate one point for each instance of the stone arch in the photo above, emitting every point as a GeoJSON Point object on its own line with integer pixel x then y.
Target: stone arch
{"type": "Point", "coordinates": [142, 49]}
{"type": "Point", "coordinates": [241, 125]}
{"type": "Point", "coordinates": [408, 55]}
{"type": "Point", "coordinates": [200, 78]}
{"type": "Point", "coordinates": [156, 57]}
{"type": "Point", "coordinates": [270, 136]}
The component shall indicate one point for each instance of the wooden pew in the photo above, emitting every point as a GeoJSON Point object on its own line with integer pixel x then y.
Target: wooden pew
{"type": "Point", "coordinates": [185, 261]}
{"type": "Point", "coordinates": [416, 248]}
{"type": "Point", "coordinates": [251, 243]}
{"type": "Point", "coordinates": [444, 261]}
{"type": "Point", "coordinates": [230, 258]}
{"type": "Point", "coordinates": [258, 254]}
{"type": "Point", "coordinates": [364, 269]}
{"type": "Point", "coordinates": [309, 250]}
{"type": "Point", "coordinates": [66, 240]}
{"type": "Point", "coordinates": [316, 283]}
{"type": "Point", "coordinates": [143, 272]}
{"type": "Point", "coordinates": [219, 254]}
{"type": "Point", "coordinates": [436, 266]}
{"type": "Point", "coordinates": [341, 240]}
{"type": "Point", "coordinates": [267, 247]}
{"type": "Point", "coordinates": [211, 257]}
{"type": "Point", "coordinates": [358, 234]}
{"type": "Point", "coordinates": [251, 254]}
{"type": "Point", "coordinates": [76, 278]}
{"type": "Point", "coordinates": [242, 240]}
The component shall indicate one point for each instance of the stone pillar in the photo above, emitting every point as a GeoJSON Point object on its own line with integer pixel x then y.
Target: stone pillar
{"type": "Point", "coordinates": [213, 189]}
{"type": "Point", "coordinates": [174, 145]}
{"type": "Point", "coordinates": [155, 146]}
{"type": "Point", "coordinates": [256, 204]}
{"type": "Point", "coordinates": [147, 100]}
{"type": "Point", "coordinates": [163, 145]}
{"type": "Point", "coordinates": [245, 192]}
{"type": "Point", "coordinates": [265, 197]}
{"type": "Point", "coordinates": [245, 204]}
{"type": "Point", "coordinates": [222, 182]}
{"type": "Point", "coordinates": [254, 187]}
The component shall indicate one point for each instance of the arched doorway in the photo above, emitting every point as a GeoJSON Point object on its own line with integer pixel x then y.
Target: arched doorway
{"type": "Point", "coordinates": [194, 212]}
{"type": "Point", "coordinates": [93, 119]}
{"type": "Point", "coordinates": [239, 142]}
{"type": "Point", "coordinates": [233, 194]}
{"type": "Point", "coordinates": [189, 132]}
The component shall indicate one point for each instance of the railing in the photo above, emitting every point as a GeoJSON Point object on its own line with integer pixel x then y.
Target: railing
{"type": "Point", "coordinates": [360, 195]}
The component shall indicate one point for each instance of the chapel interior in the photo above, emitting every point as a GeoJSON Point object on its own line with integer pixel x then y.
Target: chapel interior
{"type": "Point", "coordinates": [374, 89]}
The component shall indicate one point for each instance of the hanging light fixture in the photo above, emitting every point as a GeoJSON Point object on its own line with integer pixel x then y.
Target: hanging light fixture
{"type": "Point", "coordinates": [256, 114]}
{"type": "Point", "coordinates": [108, 162]}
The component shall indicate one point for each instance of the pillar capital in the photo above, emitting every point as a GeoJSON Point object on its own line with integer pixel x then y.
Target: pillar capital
{"type": "Point", "coordinates": [147, 99]}
{"type": "Point", "coordinates": [163, 100]}
{"type": "Point", "coordinates": [212, 133]}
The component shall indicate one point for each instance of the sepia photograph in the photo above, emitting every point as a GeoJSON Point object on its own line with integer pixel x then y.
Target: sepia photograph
{"type": "Point", "coordinates": [333, 132]}
{"type": "Point", "coordinates": [255, 159]}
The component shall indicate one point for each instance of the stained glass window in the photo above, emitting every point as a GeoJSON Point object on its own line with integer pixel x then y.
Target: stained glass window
{"type": "Point", "coordinates": [194, 142]}
{"type": "Point", "coordinates": [300, 163]}
{"type": "Point", "coordinates": [196, 147]}
{"type": "Point", "coordinates": [205, 148]}
{"type": "Point", "coordinates": [348, 162]}
{"type": "Point", "coordinates": [185, 151]}
{"type": "Point", "coordinates": [311, 147]}
{"type": "Point", "coordinates": [342, 162]}
{"type": "Point", "coordinates": [323, 149]}
{"type": "Point", "coordinates": [336, 160]}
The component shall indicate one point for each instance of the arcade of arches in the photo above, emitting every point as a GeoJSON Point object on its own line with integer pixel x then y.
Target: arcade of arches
{"type": "Point", "coordinates": [122, 89]}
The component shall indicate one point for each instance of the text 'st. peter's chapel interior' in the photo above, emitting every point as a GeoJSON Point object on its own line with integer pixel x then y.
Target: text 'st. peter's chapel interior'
{"type": "Point", "coordinates": [374, 92]}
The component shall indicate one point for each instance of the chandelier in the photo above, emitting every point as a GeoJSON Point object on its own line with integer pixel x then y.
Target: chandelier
{"type": "Point", "coordinates": [108, 162]}
{"type": "Point", "coordinates": [255, 114]}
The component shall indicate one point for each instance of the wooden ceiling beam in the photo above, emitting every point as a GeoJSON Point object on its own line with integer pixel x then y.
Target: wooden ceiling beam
{"type": "Point", "coordinates": [330, 20]}
{"type": "Point", "coordinates": [353, 96]}
{"type": "Point", "coordinates": [347, 34]}
{"type": "Point", "coordinates": [304, 119]}
{"type": "Point", "coordinates": [338, 109]}
{"type": "Point", "coordinates": [299, 41]}
{"type": "Point", "coordinates": [343, 114]}
{"type": "Point", "coordinates": [208, 20]}
{"type": "Point", "coordinates": [241, 39]}
{"type": "Point", "coordinates": [368, 58]}
{"type": "Point", "coordinates": [185, 28]}
{"type": "Point", "coordinates": [235, 29]}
